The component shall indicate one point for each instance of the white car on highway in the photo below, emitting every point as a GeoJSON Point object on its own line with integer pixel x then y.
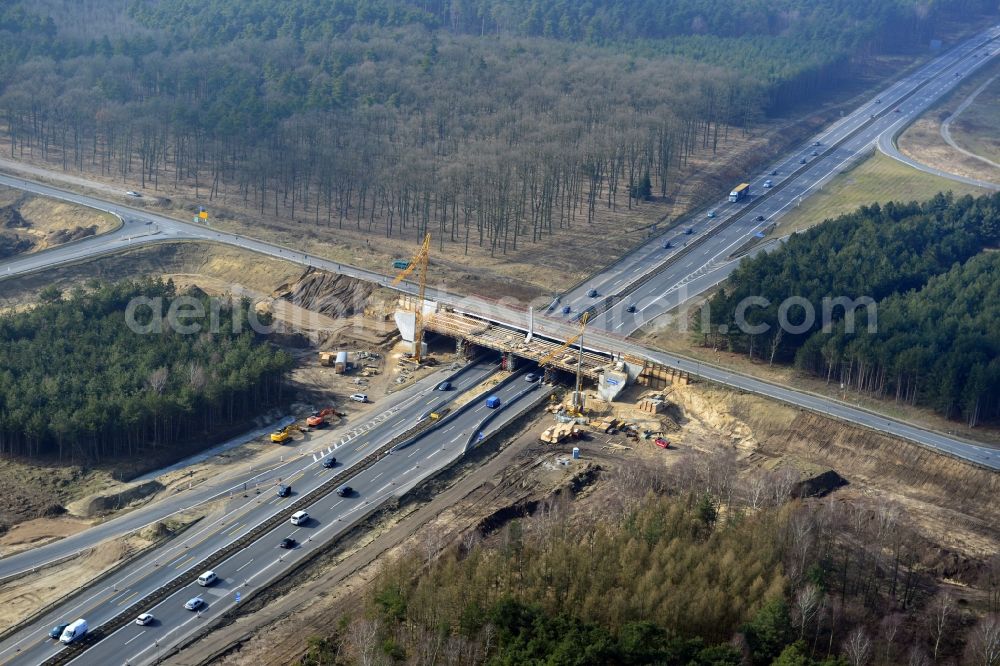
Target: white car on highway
{"type": "Point", "coordinates": [144, 619]}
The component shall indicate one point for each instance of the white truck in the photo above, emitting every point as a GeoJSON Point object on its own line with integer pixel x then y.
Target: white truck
{"type": "Point", "coordinates": [73, 632]}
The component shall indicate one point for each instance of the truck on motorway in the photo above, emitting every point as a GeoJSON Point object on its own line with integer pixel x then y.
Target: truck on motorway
{"type": "Point", "coordinates": [740, 192]}
{"type": "Point", "coordinates": [74, 631]}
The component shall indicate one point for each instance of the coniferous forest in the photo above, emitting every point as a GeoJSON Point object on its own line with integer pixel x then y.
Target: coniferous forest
{"type": "Point", "coordinates": [78, 383]}
{"type": "Point", "coordinates": [493, 124]}
{"type": "Point", "coordinates": [926, 267]}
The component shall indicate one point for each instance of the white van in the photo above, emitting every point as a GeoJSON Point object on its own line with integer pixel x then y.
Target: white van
{"type": "Point", "coordinates": [359, 397]}
{"type": "Point", "coordinates": [73, 631]}
{"type": "Point", "coordinates": [207, 578]}
{"type": "Point", "coordinates": [300, 518]}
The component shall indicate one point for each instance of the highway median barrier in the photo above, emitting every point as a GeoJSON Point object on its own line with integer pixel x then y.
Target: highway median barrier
{"type": "Point", "coordinates": [406, 438]}
{"type": "Point", "coordinates": [103, 576]}
{"type": "Point", "coordinates": [598, 309]}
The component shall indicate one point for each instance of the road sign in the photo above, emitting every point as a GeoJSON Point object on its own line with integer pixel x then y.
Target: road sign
{"type": "Point", "coordinates": [237, 597]}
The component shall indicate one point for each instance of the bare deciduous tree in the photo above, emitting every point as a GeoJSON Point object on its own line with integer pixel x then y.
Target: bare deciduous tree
{"type": "Point", "coordinates": [889, 627]}
{"type": "Point", "coordinates": [858, 647]}
{"type": "Point", "coordinates": [157, 381]}
{"type": "Point", "coordinates": [939, 616]}
{"type": "Point", "coordinates": [983, 642]}
{"type": "Point", "coordinates": [807, 602]}
{"type": "Point", "coordinates": [918, 657]}
{"type": "Point", "coordinates": [362, 636]}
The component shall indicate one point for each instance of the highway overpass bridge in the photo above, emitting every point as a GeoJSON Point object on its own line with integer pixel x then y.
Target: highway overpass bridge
{"type": "Point", "coordinates": [597, 364]}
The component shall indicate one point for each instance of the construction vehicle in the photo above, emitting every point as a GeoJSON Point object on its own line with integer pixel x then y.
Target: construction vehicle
{"type": "Point", "coordinates": [439, 413]}
{"type": "Point", "coordinates": [318, 419]}
{"type": "Point", "coordinates": [282, 436]}
{"type": "Point", "coordinates": [420, 260]}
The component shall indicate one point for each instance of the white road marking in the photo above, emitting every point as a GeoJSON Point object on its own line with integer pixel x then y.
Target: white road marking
{"type": "Point", "coordinates": [135, 637]}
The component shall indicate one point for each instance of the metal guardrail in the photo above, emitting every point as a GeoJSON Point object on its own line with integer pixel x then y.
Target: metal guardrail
{"type": "Point", "coordinates": [101, 577]}
{"type": "Point", "coordinates": [610, 301]}
{"type": "Point", "coordinates": [361, 517]}
{"type": "Point", "coordinates": [474, 438]}
{"type": "Point", "coordinates": [77, 648]}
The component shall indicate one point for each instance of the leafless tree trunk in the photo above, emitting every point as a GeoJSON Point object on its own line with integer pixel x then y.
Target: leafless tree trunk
{"type": "Point", "coordinates": [983, 642]}
{"type": "Point", "coordinates": [890, 625]}
{"type": "Point", "coordinates": [858, 647]}
{"type": "Point", "coordinates": [807, 602]}
{"type": "Point", "coordinates": [362, 634]}
{"type": "Point", "coordinates": [939, 614]}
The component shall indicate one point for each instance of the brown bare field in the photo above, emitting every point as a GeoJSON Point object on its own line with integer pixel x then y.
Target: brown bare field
{"type": "Point", "coordinates": [26, 595]}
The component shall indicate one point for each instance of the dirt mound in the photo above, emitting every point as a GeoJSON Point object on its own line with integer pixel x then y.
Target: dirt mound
{"type": "Point", "coordinates": [105, 502]}
{"type": "Point", "coordinates": [155, 532]}
{"type": "Point", "coordinates": [11, 244]}
{"type": "Point", "coordinates": [819, 485]}
{"type": "Point", "coordinates": [327, 293]}
{"type": "Point", "coordinates": [60, 236]}
{"type": "Point", "coordinates": [11, 218]}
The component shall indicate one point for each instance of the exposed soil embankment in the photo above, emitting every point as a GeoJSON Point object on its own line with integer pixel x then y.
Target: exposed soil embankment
{"type": "Point", "coordinates": [101, 503]}
{"type": "Point", "coordinates": [328, 293]}
{"type": "Point", "coordinates": [950, 499]}
{"type": "Point", "coordinates": [236, 267]}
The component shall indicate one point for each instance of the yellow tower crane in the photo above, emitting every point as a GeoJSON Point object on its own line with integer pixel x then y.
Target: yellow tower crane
{"type": "Point", "coordinates": [542, 362]}
{"type": "Point", "coordinates": [420, 260]}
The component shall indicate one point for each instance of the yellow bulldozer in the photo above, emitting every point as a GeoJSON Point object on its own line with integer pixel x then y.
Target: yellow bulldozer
{"type": "Point", "coordinates": [282, 436]}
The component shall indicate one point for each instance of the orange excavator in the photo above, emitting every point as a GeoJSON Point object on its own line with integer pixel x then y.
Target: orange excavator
{"type": "Point", "coordinates": [318, 419]}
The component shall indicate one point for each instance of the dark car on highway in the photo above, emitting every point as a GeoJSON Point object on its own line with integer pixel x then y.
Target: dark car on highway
{"type": "Point", "coordinates": [344, 491]}
{"type": "Point", "coordinates": [288, 543]}
{"type": "Point", "coordinates": [329, 462]}
{"type": "Point", "coordinates": [284, 491]}
{"type": "Point", "coordinates": [759, 218]}
{"type": "Point", "coordinates": [57, 631]}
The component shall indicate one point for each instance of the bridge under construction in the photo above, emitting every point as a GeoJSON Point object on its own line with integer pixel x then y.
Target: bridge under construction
{"type": "Point", "coordinates": [609, 372]}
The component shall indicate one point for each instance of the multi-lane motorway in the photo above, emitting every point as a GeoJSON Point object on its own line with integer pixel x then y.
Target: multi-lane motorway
{"type": "Point", "coordinates": [653, 278]}
{"type": "Point", "coordinates": [394, 412]}
{"type": "Point", "coordinates": [688, 270]}
{"type": "Point", "coordinates": [261, 561]}
{"type": "Point", "coordinates": [701, 247]}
